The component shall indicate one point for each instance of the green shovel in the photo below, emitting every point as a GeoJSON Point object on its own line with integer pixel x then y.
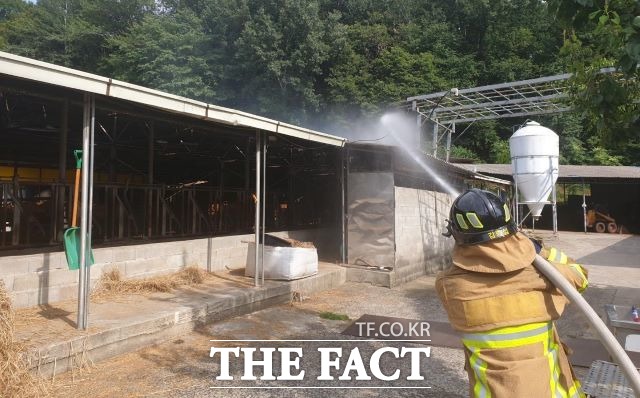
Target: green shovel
{"type": "Point", "coordinates": [72, 235]}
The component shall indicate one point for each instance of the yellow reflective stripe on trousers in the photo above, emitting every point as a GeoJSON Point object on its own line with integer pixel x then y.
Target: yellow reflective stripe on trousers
{"type": "Point", "coordinates": [551, 351]}
{"type": "Point", "coordinates": [481, 386]}
{"type": "Point", "coordinates": [552, 254]}
{"type": "Point", "coordinates": [512, 336]}
{"type": "Point", "coordinates": [574, 391]}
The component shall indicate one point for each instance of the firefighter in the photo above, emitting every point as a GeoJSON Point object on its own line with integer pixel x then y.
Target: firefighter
{"type": "Point", "coordinates": [503, 306]}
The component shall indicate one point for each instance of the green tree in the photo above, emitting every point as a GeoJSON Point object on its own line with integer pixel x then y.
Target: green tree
{"type": "Point", "coordinates": [167, 52]}
{"type": "Point", "coordinates": [461, 152]}
{"type": "Point", "coordinates": [99, 21]}
{"type": "Point", "coordinates": [278, 60]}
{"type": "Point", "coordinates": [70, 32]}
{"type": "Point", "coordinates": [373, 71]}
{"type": "Point", "coordinates": [9, 8]}
{"type": "Point", "coordinates": [604, 33]}
{"type": "Point", "coordinates": [572, 133]}
{"type": "Point", "coordinates": [320, 61]}
{"type": "Point", "coordinates": [41, 31]}
{"type": "Point", "coordinates": [601, 156]}
{"type": "Point", "coordinates": [514, 49]}
{"type": "Point", "coordinates": [488, 140]}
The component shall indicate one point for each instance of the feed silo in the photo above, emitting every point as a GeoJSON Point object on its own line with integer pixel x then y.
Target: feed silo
{"type": "Point", "coordinates": [534, 160]}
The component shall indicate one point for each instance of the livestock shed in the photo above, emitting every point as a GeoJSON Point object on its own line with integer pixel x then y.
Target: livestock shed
{"type": "Point", "coordinates": [176, 182]}
{"type": "Point", "coordinates": [167, 182]}
{"type": "Point", "coordinates": [613, 190]}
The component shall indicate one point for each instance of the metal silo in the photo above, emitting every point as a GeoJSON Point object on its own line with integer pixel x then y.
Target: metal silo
{"type": "Point", "coordinates": [534, 160]}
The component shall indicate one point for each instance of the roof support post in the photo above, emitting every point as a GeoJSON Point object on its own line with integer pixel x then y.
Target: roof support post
{"type": "Point", "coordinates": [450, 131]}
{"type": "Point", "coordinates": [150, 177]}
{"type": "Point", "coordinates": [584, 208]}
{"type": "Point", "coordinates": [263, 224]}
{"type": "Point", "coordinates": [419, 129]}
{"type": "Point", "coordinates": [434, 143]}
{"type": "Point", "coordinates": [258, 214]}
{"type": "Point", "coordinates": [343, 215]}
{"type": "Point", "coordinates": [86, 211]}
{"type": "Point", "coordinates": [554, 202]}
{"type": "Point", "coordinates": [62, 170]}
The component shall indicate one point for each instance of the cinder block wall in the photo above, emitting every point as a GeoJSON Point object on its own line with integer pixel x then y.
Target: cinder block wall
{"type": "Point", "coordinates": [419, 223]}
{"type": "Point", "coordinates": [45, 278]}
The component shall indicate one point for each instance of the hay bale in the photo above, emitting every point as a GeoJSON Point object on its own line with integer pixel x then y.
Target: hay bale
{"type": "Point", "coordinates": [15, 378]}
{"type": "Point", "coordinates": [111, 282]}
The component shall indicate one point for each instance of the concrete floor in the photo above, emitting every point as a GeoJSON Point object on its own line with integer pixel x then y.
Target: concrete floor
{"type": "Point", "coordinates": [613, 262]}
{"type": "Point", "coordinates": [123, 323]}
{"type": "Point", "coordinates": [181, 367]}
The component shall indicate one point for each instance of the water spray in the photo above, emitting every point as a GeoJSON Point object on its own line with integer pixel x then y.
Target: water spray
{"type": "Point", "coordinates": [387, 121]}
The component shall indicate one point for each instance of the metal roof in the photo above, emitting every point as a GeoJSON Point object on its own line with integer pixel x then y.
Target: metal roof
{"type": "Point", "coordinates": [474, 174]}
{"type": "Point", "coordinates": [434, 162]}
{"type": "Point", "coordinates": [44, 72]}
{"type": "Point", "coordinates": [537, 96]}
{"type": "Point", "coordinates": [567, 172]}
{"type": "Point", "coordinates": [520, 98]}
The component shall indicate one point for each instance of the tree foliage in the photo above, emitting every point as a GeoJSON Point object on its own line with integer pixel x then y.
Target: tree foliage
{"type": "Point", "coordinates": [600, 34]}
{"type": "Point", "coordinates": [327, 64]}
{"type": "Point", "coordinates": [166, 52]}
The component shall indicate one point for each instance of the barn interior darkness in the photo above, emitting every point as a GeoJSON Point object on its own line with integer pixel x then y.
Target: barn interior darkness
{"type": "Point", "coordinates": [157, 175]}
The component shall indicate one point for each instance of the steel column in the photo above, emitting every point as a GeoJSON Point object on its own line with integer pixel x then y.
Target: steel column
{"type": "Point", "coordinates": [85, 242]}
{"type": "Point", "coordinates": [150, 176]}
{"type": "Point", "coordinates": [220, 193]}
{"type": "Point", "coordinates": [554, 204]}
{"type": "Point", "coordinates": [87, 274]}
{"type": "Point", "coordinates": [343, 241]}
{"type": "Point", "coordinates": [434, 143]}
{"type": "Point", "coordinates": [584, 209]}
{"type": "Point", "coordinates": [62, 170]}
{"type": "Point", "coordinates": [265, 138]}
{"type": "Point", "coordinates": [516, 206]}
{"type": "Point", "coordinates": [258, 203]}
{"type": "Point", "coordinates": [419, 125]}
{"type": "Point", "coordinates": [113, 154]}
{"type": "Point", "coordinates": [450, 131]}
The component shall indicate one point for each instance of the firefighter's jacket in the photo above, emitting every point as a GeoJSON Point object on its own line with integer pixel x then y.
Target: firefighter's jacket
{"type": "Point", "coordinates": [505, 310]}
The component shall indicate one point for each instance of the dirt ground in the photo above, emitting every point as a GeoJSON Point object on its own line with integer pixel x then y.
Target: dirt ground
{"type": "Point", "coordinates": [182, 367]}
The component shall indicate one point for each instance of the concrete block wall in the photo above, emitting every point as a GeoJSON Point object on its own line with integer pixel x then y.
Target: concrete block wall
{"type": "Point", "coordinates": [419, 223]}
{"type": "Point", "coordinates": [42, 278]}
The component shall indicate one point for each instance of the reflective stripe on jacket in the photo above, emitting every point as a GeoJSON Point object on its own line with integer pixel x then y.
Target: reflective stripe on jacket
{"type": "Point", "coordinates": [565, 264]}
{"type": "Point", "coordinates": [505, 309]}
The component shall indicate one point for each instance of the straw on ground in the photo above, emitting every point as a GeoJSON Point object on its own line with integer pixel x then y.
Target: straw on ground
{"type": "Point", "coordinates": [111, 282]}
{"type": "Point", "coordinates": [15, 377]}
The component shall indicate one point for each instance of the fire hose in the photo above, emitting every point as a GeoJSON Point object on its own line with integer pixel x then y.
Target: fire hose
{"type": "Point", "coordinates": [605, 336]}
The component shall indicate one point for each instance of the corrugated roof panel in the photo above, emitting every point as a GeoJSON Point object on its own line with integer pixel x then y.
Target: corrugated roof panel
{"type": "Point", "coordinates": [44, 72]}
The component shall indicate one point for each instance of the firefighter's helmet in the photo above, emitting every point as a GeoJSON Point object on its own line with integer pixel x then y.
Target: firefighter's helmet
{"type": "Point", "coordinates": [479, 216]}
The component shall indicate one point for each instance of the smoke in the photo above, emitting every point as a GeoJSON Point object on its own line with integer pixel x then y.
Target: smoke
{"type": "Point", "coordinates": [398, 127]}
